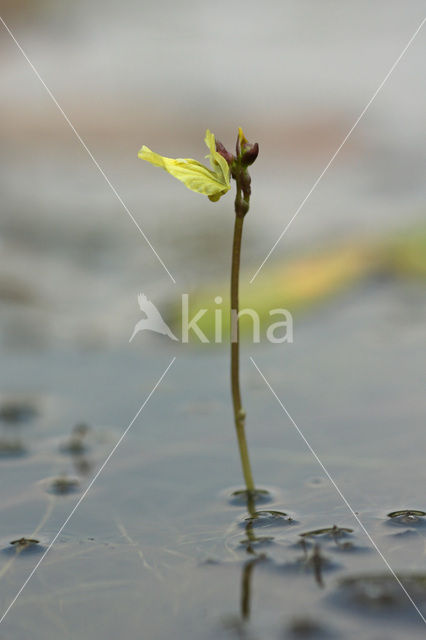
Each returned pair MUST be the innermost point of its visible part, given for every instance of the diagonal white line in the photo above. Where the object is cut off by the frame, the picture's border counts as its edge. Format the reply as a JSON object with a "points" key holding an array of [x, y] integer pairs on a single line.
{"points": [[95, 477], [330, 162], [84, 145], [340, 493]]}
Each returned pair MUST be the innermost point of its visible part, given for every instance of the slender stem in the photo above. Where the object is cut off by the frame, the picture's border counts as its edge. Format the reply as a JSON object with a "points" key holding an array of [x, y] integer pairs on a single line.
{"points": [[241, 208]]}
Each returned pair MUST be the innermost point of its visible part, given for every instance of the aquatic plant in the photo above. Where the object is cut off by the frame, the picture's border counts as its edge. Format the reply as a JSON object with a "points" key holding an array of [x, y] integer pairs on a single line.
{"points": [[24, 542], [214, 183]]}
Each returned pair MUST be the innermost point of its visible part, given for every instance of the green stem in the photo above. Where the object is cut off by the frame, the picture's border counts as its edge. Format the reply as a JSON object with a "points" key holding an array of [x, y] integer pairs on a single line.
{"points": [[241, 208]]}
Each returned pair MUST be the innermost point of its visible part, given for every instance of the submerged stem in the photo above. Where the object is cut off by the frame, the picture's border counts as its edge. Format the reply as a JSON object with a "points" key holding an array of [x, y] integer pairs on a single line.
{"points": [[241, 208]]}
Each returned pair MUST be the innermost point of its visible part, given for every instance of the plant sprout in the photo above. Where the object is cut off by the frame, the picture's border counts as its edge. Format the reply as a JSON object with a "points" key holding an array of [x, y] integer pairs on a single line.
{"points": [[214, 183]]}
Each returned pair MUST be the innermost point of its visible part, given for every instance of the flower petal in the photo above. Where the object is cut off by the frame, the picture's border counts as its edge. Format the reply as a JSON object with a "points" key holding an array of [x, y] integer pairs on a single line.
{"points": [[218, 162], [193, 174], [241, 138]]}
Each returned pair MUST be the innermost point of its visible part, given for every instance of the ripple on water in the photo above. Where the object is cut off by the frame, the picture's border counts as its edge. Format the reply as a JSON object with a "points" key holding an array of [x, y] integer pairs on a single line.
{"points": [[23, 545], [250, 499], [404, 517], [269, 518]]}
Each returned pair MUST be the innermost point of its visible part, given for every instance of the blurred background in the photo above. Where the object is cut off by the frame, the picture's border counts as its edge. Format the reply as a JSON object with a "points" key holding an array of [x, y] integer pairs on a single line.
{"points": [[294, 75]]}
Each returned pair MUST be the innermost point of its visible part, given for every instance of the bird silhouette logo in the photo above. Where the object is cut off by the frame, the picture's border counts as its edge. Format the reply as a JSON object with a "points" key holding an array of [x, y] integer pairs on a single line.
{"points": [[153, 320]]}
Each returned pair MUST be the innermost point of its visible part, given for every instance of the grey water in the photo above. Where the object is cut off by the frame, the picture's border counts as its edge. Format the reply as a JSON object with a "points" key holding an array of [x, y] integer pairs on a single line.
{"points": [[158, 548]]}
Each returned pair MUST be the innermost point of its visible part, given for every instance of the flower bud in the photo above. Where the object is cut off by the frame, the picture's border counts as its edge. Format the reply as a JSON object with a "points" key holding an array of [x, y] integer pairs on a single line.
{"points": [[224, 152], [246, 151], [249, 154]]}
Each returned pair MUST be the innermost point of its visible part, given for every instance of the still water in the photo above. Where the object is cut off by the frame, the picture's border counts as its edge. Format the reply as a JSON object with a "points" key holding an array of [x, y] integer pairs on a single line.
{"points": [[160, 548]]}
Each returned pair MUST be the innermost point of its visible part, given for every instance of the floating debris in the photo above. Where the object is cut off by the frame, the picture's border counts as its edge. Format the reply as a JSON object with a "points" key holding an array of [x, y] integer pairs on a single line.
{"points": [[269, 518], [24, 543], [407, 516], [270, 513], [64, 485], [334, 532], [13, 412]]}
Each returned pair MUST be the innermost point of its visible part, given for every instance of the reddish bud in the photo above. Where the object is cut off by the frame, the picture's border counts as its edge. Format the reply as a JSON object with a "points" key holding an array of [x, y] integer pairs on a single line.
{"points": [[249, 153], [224, 153]]}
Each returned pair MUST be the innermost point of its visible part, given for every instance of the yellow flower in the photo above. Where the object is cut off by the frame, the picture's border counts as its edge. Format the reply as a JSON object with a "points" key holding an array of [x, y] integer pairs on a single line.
{"points": [[242, 141], [213, 183]]}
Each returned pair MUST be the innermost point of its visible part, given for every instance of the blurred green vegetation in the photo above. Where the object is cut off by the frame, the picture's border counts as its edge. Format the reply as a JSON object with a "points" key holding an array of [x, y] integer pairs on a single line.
{"points": [[303, 282]]}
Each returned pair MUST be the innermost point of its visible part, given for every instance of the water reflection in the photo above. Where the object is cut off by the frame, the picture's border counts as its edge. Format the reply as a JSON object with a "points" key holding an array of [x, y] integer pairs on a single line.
{"points": [[77, 447], [14, 413], [312, 561], [252, 541], [246, 579]]}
